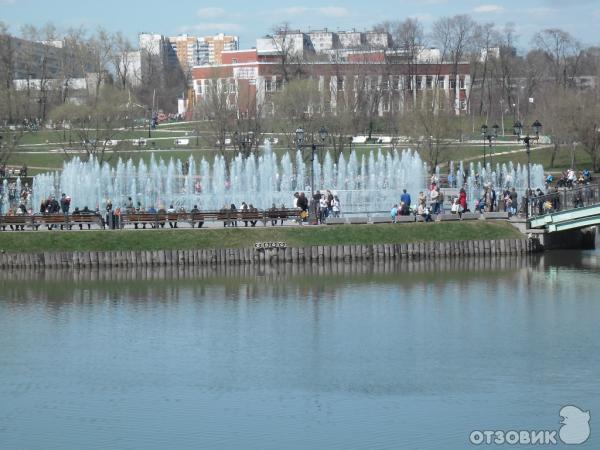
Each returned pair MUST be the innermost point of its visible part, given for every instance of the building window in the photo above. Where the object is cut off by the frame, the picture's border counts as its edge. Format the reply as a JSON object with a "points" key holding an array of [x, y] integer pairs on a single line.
{"points": [[268, 85], [234, 61], [461, 82], [340, 84], [385, 103], [395, 83], [452, 83], [419, 83], [429, 82], [441, 83]]}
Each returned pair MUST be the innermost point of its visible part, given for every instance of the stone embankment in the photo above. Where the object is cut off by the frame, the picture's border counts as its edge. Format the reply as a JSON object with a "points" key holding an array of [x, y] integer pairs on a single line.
{"points": [[275, 255]]}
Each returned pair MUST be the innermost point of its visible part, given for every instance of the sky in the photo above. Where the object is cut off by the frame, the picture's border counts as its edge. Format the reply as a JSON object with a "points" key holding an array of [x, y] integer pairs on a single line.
{"points": [[250, 20]]}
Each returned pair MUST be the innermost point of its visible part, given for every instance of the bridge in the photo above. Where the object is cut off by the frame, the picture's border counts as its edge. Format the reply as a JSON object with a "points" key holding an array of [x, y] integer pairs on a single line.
{"points": [[566, 209]]}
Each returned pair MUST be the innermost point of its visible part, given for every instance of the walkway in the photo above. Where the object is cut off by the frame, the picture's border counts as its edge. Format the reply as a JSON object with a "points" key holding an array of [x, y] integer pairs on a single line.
{"points": [[567, 209]]}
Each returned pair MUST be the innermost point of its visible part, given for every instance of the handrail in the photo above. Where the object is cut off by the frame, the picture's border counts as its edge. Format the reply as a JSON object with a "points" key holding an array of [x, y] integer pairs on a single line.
{"points": [[564, 199]]}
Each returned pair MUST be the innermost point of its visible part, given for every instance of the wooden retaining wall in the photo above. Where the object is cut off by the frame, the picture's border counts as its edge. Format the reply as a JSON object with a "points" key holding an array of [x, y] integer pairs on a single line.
{"points": [[237, 256]]}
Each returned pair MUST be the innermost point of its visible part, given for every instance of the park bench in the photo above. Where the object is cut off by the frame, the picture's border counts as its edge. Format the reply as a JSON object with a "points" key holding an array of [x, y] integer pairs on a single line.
{"points": [[447, 217], [153, 219], [470, 216], [281, 214], [49, 220], [85, 219], [15, 222], [382, 219]]}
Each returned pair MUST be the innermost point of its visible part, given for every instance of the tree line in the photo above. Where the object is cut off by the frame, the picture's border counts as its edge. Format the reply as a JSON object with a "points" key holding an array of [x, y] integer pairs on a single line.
{"points": [[554, 80]]}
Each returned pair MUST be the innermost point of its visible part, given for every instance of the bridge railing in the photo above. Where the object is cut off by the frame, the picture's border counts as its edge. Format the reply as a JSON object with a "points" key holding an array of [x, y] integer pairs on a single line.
{"points": [[564, 199]]}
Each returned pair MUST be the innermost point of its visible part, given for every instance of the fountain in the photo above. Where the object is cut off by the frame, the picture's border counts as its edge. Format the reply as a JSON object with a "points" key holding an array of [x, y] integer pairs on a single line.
{"points": [[372, 184]]}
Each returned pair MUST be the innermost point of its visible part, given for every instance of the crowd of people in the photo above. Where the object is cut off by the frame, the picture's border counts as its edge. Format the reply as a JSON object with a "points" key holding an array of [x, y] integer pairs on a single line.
{"points": [[570, 178], [432, 202], [325, 203], [9, 172]]}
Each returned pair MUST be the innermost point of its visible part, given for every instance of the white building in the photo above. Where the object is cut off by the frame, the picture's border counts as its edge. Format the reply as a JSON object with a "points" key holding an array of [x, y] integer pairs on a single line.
{"points": [[154, 44], [294, 43], [377, 40], [350, 39], [323, 40], [131, 65]]}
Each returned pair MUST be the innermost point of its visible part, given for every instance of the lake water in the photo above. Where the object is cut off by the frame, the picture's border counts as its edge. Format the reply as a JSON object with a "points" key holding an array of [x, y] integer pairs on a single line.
{"points": [[409, 356]]}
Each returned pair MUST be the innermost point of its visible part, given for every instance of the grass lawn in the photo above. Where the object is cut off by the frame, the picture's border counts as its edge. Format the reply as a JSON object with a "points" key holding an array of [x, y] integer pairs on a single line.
{"points": [[246, 237], [52, 157], [542, 156]]}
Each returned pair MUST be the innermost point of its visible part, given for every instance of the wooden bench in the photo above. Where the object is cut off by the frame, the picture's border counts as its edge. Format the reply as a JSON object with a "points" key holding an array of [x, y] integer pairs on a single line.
{"points": [[153, 219], [282, 214], [16, 222], [85, 219], [49, 220]]}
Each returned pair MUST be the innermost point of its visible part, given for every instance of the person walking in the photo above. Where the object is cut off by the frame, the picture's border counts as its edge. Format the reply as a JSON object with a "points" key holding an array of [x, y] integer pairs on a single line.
{"points": [[440, 208], [434, 195], [513, 201], [394, 213]]}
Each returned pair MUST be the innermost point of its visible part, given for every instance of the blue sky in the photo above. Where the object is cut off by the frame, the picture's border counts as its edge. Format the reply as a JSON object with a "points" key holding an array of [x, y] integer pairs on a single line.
{"points": [[250, 20]]}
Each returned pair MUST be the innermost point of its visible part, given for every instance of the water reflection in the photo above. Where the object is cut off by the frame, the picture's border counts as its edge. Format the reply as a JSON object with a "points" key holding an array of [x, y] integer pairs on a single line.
{"points": [[411, 355], [164, 284]]}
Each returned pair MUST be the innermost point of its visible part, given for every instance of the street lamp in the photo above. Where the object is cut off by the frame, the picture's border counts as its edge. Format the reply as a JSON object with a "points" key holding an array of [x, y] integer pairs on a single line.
{"points": [[492, 135], [299, 137], [323, 133], [536, 127]]}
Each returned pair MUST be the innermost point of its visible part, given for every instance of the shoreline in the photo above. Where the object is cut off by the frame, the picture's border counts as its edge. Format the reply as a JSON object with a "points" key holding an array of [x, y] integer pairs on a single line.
{"points": [[318, 254]]}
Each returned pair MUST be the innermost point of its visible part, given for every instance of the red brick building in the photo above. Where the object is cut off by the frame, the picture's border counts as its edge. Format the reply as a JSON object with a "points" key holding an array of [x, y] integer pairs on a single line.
{"points": [[250, 80]]}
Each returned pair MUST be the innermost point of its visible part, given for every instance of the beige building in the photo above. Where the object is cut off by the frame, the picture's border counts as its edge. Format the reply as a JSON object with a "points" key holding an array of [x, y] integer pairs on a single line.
{"points": [[219, 43]]}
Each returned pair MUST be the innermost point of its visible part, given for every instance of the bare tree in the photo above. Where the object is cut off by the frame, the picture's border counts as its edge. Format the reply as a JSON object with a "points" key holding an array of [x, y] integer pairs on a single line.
{"points": [[219, 111], [7, 73], [36, 63], [563, 52], [289, 57], [100, 48], [98, 124], [455, 39], [122, 60], [10, 136], [72, 62]]}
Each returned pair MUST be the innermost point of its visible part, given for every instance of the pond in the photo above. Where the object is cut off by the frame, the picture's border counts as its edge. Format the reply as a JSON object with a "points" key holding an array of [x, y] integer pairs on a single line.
{"points": [[411, 355]]}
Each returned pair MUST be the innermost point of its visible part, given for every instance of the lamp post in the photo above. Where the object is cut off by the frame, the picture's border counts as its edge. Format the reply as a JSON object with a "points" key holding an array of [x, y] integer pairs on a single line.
{"points": [[489, 137], [536, 127], [243, 142], [323, 133]]}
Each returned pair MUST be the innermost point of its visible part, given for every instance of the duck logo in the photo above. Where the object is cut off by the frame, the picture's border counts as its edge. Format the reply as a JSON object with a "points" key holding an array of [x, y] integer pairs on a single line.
{"points": [[575, 425]]}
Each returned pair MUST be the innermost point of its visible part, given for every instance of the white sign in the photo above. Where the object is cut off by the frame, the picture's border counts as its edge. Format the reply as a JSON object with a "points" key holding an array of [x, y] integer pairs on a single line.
{"points": [[245, 73], [574, 430]]}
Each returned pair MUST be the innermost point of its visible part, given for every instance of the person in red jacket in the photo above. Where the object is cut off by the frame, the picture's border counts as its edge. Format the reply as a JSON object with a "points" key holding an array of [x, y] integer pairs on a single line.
{"points": [[462, 199]]}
